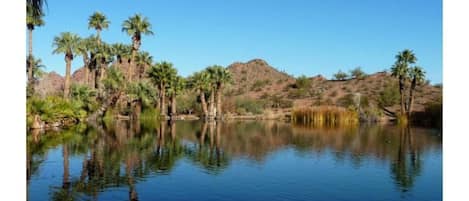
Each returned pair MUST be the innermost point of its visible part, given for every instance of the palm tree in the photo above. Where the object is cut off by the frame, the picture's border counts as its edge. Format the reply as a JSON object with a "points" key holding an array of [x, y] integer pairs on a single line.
{"points": [[176, 85], [143, 61], [66, 43], [140, 92], [32, 20], [400, 70], [200, 81], [37, 65], [103, 56], [84, 47], [113, 84], [417, 74], [220, 76], [136, 26], [36, 7], [160, 74], [98, 22]]}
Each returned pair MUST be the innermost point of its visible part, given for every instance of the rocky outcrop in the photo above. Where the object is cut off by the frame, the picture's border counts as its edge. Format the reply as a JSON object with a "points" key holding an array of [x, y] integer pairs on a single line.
{"points": [[50, 84]]}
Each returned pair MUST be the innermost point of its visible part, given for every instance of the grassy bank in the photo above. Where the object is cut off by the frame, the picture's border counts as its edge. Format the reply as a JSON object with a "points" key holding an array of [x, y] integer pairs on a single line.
{"points": [[325, 116]]}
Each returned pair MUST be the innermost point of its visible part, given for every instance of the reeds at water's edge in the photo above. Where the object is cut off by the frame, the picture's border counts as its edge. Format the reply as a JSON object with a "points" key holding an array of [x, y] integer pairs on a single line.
{"points": [[325, 116]]}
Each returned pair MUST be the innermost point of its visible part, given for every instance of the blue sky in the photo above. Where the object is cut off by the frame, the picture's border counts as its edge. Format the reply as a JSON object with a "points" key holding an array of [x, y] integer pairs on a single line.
{"points": [[307, 37]]}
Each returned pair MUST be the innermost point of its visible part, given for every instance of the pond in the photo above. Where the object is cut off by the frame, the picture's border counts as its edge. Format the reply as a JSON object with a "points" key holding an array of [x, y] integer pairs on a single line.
{"points": [[235, 160]]}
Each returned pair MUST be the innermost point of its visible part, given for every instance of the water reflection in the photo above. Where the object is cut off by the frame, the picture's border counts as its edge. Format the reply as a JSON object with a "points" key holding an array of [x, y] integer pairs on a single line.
{"points": [[126, 153]]}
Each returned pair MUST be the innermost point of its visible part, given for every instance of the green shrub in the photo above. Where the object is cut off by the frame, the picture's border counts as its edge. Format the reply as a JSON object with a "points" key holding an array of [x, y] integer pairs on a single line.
{"points": [[244, 106], [357, 73], [389, 96], [259, 84], [53, 108], [302, 82], [340, 75]]}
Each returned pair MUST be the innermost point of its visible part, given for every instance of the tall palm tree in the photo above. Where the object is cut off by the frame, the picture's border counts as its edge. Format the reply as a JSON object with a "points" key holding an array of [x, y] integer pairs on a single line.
{"points": [[66, 43], [200, 82], [160, 74], [417, 74], [135, 26], [400, 70], [98, 22], [103, 56], [220, 76], [32, 20], [84, 47], [143, 61], [176, 85]]}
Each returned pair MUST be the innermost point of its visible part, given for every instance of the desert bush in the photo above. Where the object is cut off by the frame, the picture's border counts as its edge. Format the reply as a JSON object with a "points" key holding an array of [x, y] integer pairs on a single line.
{"points": [[389, 95], [340, 75], [259, 84], [302, 82], [357, 73], [246, 106]]}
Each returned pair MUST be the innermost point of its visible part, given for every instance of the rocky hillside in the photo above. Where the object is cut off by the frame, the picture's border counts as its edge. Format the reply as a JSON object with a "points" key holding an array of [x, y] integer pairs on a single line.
{"points": [[257, 80], [256, 77]]}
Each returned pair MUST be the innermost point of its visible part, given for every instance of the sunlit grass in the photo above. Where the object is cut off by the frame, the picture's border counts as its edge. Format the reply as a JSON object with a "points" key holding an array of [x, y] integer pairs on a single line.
{"points": [[325, 116]]}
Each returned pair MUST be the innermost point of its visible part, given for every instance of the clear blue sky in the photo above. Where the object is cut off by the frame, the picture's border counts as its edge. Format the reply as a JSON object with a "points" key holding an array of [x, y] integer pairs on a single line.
{"points": [[299, 36]]}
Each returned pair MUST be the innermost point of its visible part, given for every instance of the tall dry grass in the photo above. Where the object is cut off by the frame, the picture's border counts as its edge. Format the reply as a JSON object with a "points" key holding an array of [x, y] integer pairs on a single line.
{"points": [[329, 116]]}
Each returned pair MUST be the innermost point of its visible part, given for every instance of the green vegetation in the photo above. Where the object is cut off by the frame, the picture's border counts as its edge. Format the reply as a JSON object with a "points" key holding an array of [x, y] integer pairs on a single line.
{"points": [[248, 106], [340, 75], [54, 109], [259, 84], [389, 95], [357, 73], [302, 82], [405, 74]]}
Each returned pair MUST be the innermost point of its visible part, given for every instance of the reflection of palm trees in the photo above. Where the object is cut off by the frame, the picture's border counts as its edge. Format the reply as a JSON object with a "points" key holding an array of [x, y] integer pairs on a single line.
{"points": [[211, 157], [404, 173]]}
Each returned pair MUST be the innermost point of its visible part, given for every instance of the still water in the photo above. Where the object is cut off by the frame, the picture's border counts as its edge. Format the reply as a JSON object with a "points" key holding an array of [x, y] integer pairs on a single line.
{"points": [[244, 160]]}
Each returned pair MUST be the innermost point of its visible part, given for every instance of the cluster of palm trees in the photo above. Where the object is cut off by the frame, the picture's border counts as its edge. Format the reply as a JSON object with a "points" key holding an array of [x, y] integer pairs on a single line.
{"points": [[100, 57], [211, 81], [409, 76]]}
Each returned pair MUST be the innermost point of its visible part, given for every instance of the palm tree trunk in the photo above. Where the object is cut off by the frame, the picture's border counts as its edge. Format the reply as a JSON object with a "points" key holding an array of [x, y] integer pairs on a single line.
{"points": [[163, 108], [86, 69], [411, 97], [132, 61], [401, 92], [173, 106], [219, 91], [30, 57], [102, 73], [211, 105], [67, 77], [98, 36], [204, 103]]}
